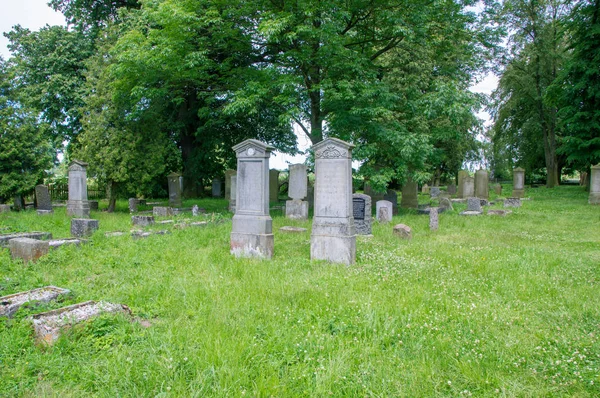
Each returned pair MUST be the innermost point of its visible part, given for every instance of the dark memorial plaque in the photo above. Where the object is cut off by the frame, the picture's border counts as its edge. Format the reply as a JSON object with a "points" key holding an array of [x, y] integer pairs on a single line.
{"points": [[358, 205]]}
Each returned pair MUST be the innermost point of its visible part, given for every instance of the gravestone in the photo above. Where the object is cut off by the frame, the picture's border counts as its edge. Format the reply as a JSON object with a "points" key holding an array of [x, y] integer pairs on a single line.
{"points": [[252, 227], [81, 227], [518, 183], [498, 189], [42, 197], [424, 190], [461, 177], [512, 202], [10, 304], [232, 193], [310, 196], [142, 221], [4, 208], [446, 203], [594, 197], [6, 238], [434, 192], [228, 174], [468, 186], [409, 198], [361, 211], [433, 218], [18, 203], [28, 249], [481, 184], [216, 188], [333, 235], [78, 204], [451, 189], [161, 211], [133, 204], [175, 191], [297, 208], [473, 207], [195, 211], [392, 196], [274, 185], [384, 211], [403, 231]]}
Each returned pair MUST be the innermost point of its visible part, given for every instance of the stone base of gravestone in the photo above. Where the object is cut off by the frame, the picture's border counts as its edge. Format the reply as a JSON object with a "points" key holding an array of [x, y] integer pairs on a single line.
{"points": [[594, 198], [142, 221], [78, 208], [56, 243], [28, 249], [512, 202], [160, 211], [433, 219], [293, 229], [4, 208], [518, 193], [403, 231], [81, 227], [252, 245], [335, 249], [296, 209], [470, 213], [44, 212]]}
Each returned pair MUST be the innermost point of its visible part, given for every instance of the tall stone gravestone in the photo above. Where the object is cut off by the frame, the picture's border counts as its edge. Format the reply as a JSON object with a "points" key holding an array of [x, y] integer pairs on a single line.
{"points": [[392, 196], [384, 211], [42, 198], [518, 183], [175, 191], [461, 183], [468, 187], [216, 188], [228, 174], [594, 197], [361, 211], [252, 227], [274, 185], [78, 204], [297, 208], [409, 198], [232, 193], [451, 189], [482, 189], [333, 235], [18, 203]]}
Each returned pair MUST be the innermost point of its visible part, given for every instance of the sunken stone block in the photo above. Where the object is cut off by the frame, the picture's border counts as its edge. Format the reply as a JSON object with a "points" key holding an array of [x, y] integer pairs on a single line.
{"points": [[11, 303], [512, 202], [81, 227], [292, 229], [502, 213], [142, 221], [160, 211], [44, 212], [28, 249], [403, 231]]}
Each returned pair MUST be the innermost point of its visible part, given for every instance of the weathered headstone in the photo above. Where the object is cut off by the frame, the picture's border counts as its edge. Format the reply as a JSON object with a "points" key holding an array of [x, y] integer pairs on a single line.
{"points": [[424, 190], [594, 197], [384, 211], [42, 197], [512, 202], [161, 211], [433, 219], [81, 227], [333, 235], [4, 208], [310, 196], [498, 189], [195, 211], [216, 188], [482, 184], [446, 204], [175, 191], [6, 238], [518, 183], [461, 177], [409, 198], [228, 174], [78, 204], [297, 208], [468, 186], [274, 185], [11, 303], [18, 203], [252, 227], [451, 189], [361, 210], [434, 192], [142, 221], [133, 204], [473, 207], [28, 249], [403, 231], [232, 193]]}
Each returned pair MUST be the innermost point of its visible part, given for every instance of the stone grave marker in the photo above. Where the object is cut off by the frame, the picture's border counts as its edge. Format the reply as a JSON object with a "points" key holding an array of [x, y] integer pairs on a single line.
{"points": [[78, 204], [498, 189], [5, 238], [18, 203], [217, 184], [594, 197], [161, 211], [473, 207], [297, 208], [133, 205], [333, 235], [495, 212], [424, 190], [175, 191], [435, 192], [482, 190], [232, 193], [81, 227], [392, 196], [518, 183], [461, 177], [274, 185], [446, 204], [195, 211], [228, 174], [468, 186], [4, 208], [512, 202], [384, 211], [433, 219], [142, 221], [409, 198], [361, 210], [42, 197], [451, 189], [403, 231], [28, 249], [252, 226], [11, 303]]}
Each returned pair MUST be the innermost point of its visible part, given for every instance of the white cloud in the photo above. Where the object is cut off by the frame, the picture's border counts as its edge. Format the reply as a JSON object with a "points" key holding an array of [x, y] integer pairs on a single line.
{"points": [[31, 14]]}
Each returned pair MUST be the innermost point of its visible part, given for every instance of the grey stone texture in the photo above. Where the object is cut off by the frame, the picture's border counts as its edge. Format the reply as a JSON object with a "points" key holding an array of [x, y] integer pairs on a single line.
{"points": [[451, 189], [28, 249], [11, 303], [384, 211], [228, 188], [44, 212], [435, 192], [133, 205], [424, 190], [195, 211], [42, 198], [402, 231], [362, 214], [82, 227], [175, 190], [161, 211], [446, 203], [143, 221], [512, 202], [473, 207], [461, 178], [594, 198], [274, 185], [4, 208], [298, 183], [78, 204], [333, 235], [5, 238], [18, 203], [410, 192], [252, 226], [217, 185], [468, 186], [498, 189], [433, 219], [232, 193], [296, 209], [391, 196], [482, 189], [518, 183], [310, 197]]}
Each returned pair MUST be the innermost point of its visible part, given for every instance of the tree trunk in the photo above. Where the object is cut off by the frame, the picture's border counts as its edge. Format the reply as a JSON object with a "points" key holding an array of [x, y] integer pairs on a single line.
{"points": [[112, 196]]}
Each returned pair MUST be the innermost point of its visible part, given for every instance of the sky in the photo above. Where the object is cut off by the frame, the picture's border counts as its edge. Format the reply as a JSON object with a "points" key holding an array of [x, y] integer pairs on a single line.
{"points": [[34, 14]]}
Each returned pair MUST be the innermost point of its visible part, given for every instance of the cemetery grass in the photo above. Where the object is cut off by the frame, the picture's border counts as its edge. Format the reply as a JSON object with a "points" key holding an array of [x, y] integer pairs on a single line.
{"points": [[485, 306]]}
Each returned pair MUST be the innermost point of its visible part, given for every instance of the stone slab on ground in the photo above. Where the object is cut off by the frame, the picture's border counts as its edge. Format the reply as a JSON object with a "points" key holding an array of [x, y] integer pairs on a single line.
{"points": [[403, 231], [56, 243], [142, 221], [48, 326], [293, 229], [28, 249], [5, 238], [81, 227], [11, 303], [44, 212], [142, 234], [114, 233], [470, 213], [512, 202], [494, 212], [427, 209], [165, 222], [161, 211]]}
